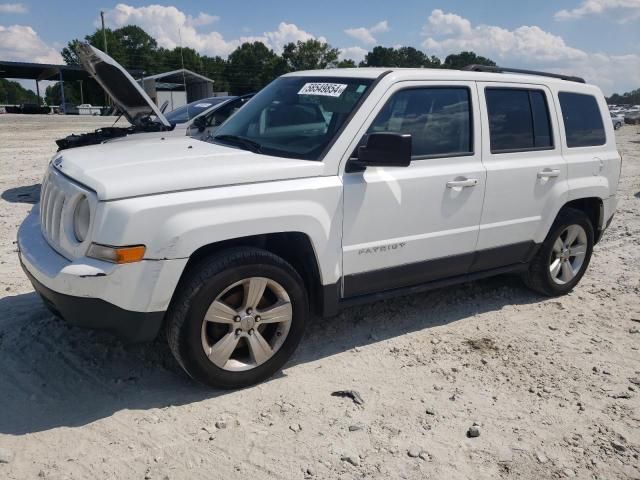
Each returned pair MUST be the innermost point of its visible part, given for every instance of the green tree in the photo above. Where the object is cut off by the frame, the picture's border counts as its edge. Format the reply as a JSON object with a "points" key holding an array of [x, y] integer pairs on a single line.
{"points": [[462, 59], [309, 55], [214, 68], [409, 57], [346, 63], [380, 57], [250, 67], [12, 93], [139, 48], [632, 97], [91, 93], [403, 57]]}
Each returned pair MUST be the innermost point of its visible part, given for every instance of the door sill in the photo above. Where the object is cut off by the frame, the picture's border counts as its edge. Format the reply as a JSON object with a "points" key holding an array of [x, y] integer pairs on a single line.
{"points": [[432, 285]]}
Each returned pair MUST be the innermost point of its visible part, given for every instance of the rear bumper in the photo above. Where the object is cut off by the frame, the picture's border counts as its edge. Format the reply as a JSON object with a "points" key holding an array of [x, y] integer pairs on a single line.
{"points": [[609, 209], [132, 327]]}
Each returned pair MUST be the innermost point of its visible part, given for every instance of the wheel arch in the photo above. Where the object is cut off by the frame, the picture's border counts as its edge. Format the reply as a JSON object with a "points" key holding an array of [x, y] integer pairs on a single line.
{"points": [[593, 207], [294, 247]]}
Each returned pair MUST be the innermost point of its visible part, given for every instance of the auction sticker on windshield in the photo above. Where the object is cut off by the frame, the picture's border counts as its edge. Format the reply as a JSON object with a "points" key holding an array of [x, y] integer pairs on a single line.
{"points": [[323, 89]]}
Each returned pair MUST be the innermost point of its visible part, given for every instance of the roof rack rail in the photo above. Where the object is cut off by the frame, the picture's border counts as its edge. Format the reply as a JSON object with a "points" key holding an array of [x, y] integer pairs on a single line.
{"points": [[496, 69]]}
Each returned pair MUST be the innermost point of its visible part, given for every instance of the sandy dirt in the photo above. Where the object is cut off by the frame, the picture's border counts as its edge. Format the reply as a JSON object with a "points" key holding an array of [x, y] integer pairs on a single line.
{"points": [[553, 384]]}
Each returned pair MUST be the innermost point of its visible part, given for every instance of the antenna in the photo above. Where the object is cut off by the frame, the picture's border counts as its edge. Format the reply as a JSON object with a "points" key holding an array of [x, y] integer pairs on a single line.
{"points": [[184, 78]]}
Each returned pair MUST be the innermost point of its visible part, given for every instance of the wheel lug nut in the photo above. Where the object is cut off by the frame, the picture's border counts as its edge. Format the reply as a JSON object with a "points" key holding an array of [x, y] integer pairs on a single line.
{"points": [[236, 318], [251, 332], [257, 319], [238, 331]]}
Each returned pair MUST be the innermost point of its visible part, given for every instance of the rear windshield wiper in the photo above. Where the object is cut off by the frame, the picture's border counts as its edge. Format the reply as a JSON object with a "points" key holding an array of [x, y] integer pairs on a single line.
{"points": [[245, 142]]}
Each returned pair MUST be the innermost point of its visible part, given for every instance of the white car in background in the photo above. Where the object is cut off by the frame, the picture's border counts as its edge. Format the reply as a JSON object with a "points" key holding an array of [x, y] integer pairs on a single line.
{"points": [[617, 119], [198, 119]]}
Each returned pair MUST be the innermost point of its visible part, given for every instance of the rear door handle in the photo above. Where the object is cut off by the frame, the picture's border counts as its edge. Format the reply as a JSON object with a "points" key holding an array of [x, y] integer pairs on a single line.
{"points": [[549, 173], [466, 182]]}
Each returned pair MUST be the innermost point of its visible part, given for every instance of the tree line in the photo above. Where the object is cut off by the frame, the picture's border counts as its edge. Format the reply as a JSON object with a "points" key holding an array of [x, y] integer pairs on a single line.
{"points": [[629, 98], [248, 68], [12, 93]]}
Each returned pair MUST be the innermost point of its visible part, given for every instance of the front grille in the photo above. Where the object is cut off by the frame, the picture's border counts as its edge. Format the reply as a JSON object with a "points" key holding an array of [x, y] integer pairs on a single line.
{"points": [[52, 202], [58, 197]]}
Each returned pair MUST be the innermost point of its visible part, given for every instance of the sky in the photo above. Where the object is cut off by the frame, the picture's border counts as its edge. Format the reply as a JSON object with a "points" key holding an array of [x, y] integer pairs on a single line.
{"points": [[595, 39]]}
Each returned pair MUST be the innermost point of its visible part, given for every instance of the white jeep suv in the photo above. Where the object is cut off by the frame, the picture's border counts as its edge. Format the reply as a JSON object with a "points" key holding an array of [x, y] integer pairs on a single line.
{"points": [[328, 189]]}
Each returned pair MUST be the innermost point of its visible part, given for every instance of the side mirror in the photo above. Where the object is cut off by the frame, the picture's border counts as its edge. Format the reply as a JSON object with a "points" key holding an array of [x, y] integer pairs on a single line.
{"points": [[200, 123], [383, 149]]}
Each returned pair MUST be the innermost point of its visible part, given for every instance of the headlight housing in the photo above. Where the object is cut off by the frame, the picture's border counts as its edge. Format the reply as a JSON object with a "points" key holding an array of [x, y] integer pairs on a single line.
{"points": [[81, 219]]}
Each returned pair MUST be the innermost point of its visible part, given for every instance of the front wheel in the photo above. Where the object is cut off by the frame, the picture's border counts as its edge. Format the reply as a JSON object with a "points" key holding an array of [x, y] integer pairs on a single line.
{"points": [[564, 256], [237, 318]]}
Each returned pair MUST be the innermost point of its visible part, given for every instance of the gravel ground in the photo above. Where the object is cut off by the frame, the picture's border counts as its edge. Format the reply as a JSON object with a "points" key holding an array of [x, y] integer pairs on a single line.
{"points": [[552, 386]]}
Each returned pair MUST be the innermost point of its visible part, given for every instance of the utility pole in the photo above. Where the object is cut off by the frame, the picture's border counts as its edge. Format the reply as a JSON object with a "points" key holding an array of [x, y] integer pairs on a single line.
{"points": [[104, 34]]}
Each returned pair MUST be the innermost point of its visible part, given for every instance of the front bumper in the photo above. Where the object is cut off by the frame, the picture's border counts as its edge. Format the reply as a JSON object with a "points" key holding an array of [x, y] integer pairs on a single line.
{"points": [[129, 300], [132, 327]]}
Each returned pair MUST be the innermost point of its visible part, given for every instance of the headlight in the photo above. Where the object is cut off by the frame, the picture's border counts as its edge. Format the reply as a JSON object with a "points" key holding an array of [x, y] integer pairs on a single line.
{"points": [[81, 219]]}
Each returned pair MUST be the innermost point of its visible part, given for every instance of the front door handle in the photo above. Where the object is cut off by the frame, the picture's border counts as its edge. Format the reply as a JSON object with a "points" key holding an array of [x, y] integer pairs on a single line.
{"points": [[549, 173], [465, 182]]}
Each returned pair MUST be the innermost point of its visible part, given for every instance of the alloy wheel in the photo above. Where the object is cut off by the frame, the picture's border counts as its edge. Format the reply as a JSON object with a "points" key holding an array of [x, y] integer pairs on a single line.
{"points": [[246, 324], [568, 254]]}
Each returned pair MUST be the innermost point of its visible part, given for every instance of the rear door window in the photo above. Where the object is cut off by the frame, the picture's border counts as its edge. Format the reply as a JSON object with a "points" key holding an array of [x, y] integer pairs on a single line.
{"points": [[582, 120], [518, 120]]}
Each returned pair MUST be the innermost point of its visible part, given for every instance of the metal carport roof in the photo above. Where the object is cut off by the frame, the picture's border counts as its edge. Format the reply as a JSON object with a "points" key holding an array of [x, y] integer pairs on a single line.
{"points": [[41, 71], [179, 76]]}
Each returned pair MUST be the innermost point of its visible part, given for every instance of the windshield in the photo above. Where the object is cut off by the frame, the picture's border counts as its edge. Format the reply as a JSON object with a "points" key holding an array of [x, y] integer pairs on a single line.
{"points": [[294, 116], [187, 112]]}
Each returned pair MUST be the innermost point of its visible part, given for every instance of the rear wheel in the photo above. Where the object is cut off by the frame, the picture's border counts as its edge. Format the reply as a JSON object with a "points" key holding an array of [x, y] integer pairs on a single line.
{"points": [[237, 318], [564, 256]]}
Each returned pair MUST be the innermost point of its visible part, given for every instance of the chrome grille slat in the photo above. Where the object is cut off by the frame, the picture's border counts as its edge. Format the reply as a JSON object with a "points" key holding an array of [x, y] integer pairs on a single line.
{"points": [[45, 206], [50, 201], [57, 217], [43, 192]]}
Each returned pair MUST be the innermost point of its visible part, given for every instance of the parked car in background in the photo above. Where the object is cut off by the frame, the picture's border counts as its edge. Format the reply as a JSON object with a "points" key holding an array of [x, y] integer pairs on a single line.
{"points": [[632, 118], [330, 188], [198, 119], [88, 109], [28, 108], [617, 120]]}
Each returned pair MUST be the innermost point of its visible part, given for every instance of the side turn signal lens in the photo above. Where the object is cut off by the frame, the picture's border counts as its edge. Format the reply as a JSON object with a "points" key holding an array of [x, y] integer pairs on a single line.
{"points": [[117, 254]]}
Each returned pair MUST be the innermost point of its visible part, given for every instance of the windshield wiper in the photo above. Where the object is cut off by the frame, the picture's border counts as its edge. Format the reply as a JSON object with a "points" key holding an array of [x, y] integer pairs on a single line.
{"points": [[245, 142]]}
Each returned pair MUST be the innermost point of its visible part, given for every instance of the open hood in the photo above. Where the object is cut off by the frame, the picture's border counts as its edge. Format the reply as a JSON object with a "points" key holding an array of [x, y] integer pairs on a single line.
{"points": [[124, 91]]}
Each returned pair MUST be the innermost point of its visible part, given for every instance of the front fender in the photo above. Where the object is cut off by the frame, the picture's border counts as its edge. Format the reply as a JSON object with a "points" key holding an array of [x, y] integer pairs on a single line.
{"points": [[174, 225]]}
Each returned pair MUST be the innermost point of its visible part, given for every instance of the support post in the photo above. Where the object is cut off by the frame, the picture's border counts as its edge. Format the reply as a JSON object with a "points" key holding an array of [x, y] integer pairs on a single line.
{"points": [[38, 92], [62, 103]]}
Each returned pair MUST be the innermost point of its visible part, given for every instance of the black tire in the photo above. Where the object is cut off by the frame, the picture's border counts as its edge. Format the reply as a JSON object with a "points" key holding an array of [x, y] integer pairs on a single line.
{"points": [[201, 286], [539, 277]]}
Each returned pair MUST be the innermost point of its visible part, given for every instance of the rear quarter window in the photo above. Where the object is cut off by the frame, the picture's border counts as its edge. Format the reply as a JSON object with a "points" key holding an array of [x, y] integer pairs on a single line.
{"points": [[582, 120]]}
